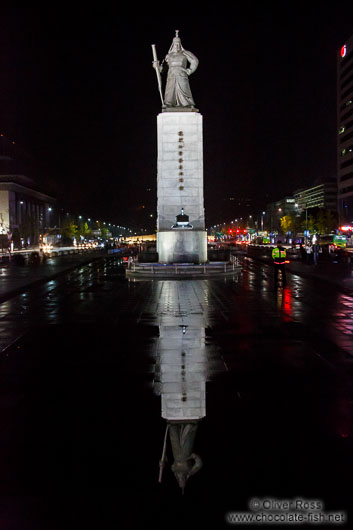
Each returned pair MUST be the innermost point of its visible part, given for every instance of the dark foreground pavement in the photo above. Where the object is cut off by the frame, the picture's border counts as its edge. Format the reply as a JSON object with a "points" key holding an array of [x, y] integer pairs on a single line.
{"points": [[81, 432]]}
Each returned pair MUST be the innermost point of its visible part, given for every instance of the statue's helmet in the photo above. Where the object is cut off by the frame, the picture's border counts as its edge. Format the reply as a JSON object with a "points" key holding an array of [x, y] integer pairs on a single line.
{"points": [[181, 471], [176, 41]]}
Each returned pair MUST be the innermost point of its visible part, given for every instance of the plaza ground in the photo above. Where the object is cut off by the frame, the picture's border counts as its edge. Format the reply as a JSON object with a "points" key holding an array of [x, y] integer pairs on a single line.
{"points": [[81, 429]]}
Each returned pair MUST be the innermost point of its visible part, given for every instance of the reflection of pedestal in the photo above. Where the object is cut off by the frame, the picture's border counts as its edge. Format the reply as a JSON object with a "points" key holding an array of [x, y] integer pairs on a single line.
{"points": [[182, 246], [180, 187], [183, 367]]}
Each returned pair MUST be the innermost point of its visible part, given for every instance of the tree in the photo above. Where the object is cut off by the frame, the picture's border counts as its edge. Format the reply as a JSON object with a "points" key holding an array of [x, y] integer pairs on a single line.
{"points": [[319, 220], [311, 223], [104, 232], [68, 230], [286, 223], [327, 221], [290, 223], [83, 230]]}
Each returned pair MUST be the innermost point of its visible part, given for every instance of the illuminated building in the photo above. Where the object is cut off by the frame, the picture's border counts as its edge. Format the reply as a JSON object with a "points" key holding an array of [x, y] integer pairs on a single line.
{"points": [[24, 209], [322, 195], [345, 131]]}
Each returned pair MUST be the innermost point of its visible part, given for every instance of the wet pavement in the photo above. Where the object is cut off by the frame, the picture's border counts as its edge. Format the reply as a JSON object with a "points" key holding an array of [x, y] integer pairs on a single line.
{"points": [[93, 369], [16, 278]]}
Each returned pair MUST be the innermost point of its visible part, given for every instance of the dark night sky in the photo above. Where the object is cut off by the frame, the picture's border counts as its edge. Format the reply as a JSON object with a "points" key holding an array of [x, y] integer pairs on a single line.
{"points": [[79, 94]]}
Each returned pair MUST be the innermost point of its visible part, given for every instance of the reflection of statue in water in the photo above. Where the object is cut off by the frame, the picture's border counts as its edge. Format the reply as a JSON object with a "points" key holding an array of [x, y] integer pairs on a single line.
{"points": [[181, 366], [186, 463], [177, 90]]}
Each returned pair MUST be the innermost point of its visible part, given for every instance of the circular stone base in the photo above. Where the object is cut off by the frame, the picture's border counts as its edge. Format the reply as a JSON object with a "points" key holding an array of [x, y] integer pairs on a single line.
{"points": [[182, 270]]}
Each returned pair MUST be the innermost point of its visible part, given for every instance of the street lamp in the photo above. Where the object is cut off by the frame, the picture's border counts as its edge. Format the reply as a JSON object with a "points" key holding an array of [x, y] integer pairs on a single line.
{"points": [[306, 224], [49, 212], [262, 221]]}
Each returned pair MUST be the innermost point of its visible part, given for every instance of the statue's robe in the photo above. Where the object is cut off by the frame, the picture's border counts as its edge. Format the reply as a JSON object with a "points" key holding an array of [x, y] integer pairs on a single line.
{"points": [[177, 91]]}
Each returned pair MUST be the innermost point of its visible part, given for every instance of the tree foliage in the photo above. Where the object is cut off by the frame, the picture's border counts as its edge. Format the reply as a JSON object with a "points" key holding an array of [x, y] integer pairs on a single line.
{"points": [[290, 223], [317, 220], [68, 229], [320, 220], [287, 223], [83, 231], [104, 233]]}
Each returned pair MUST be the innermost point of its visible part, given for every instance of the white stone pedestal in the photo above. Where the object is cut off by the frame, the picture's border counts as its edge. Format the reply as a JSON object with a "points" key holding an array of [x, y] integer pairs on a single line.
{"points": [[180, 185], [182, 246]]}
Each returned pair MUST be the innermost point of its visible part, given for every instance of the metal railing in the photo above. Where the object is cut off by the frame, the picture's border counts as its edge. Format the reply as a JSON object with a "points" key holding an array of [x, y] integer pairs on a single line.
{"points": [[185, 269]]}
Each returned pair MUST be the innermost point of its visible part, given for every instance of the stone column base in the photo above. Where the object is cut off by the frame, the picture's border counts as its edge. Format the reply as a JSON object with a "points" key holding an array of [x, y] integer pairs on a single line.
{"points": [[182, 246]]}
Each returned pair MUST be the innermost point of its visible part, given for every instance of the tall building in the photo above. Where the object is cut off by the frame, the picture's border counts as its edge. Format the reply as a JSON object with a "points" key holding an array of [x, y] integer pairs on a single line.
{"points": [[320, 195], [24, 207], [345, 131]]}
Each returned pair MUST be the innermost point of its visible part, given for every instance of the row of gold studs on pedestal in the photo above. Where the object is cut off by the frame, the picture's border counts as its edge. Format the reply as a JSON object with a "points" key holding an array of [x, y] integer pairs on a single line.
{"points": [[180, 146]]}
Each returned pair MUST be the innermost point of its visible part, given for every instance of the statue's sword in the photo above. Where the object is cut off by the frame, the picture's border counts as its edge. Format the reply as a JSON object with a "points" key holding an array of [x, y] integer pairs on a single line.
{"points": [[162, 460], [156, 67]]}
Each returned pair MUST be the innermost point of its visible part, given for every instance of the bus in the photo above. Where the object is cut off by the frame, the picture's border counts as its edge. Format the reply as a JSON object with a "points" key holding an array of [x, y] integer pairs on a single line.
{"points": [[332, 240]]}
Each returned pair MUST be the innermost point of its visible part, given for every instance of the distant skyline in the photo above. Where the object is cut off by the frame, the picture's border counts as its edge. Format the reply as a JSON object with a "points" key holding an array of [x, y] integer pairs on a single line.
{"points": [[80, 95]]}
